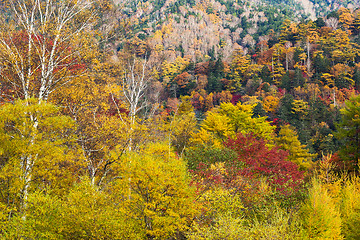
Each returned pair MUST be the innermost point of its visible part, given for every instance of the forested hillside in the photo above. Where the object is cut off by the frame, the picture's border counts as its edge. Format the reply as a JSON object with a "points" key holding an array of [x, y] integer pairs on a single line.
{"points": [[179, 119], [212, 28]]}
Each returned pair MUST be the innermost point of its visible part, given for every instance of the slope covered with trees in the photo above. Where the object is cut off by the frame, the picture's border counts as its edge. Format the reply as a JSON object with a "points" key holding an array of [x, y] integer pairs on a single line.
{"points": [[179, 120], [214, 28]]}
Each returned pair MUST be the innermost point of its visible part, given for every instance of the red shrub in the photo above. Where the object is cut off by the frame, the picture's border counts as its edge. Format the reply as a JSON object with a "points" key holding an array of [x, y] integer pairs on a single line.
{"points": [[260, 161]]}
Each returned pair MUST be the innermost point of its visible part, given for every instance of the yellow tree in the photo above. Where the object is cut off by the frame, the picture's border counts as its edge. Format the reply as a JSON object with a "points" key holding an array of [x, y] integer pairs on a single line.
{"points": [[52, 217], [277, 69], [240, 65], [346, 18], [339, 46], [90, 100], [300, 108], [288, 140], [289, 53], [182, 125], [277, 72], [170, 70], [289, 31], [356, 23], [328, 79], [308, 34], [227, 120], [32, 156], [350, 196], [320, 215], [270, 103], [343, 75], [41, 43], [161, 202]]}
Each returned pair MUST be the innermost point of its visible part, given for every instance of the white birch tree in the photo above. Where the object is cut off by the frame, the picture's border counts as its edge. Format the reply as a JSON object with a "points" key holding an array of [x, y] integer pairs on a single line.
{"points": [[40, 50], [39, 44], [136, 85]]}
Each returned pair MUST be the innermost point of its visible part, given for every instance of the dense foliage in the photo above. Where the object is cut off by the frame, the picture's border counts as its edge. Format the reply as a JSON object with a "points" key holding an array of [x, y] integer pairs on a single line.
{"points": [[180, 119]]}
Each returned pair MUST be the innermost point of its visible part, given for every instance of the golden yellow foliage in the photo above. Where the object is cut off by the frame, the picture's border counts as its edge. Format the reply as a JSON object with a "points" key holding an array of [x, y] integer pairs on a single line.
{"points": [[288, 140], [270, 103], [346, 18], [153, 190]]}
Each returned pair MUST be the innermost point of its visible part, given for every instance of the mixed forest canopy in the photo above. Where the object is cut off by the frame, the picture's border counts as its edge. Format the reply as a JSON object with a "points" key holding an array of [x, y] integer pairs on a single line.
{"points": [[179, 119]]}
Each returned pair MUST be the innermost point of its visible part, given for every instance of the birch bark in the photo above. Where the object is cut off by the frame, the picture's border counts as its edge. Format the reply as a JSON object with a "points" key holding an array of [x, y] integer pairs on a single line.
{"points": [[38, 53]]}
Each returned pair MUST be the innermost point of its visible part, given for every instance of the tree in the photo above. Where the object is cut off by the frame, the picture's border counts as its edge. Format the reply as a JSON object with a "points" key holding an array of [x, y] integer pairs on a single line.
{"points": [[356, 24], [134, 92], [240, 65], [277, 69], [339, 47], [320, 216], [99, 129], [203, 156], [346, 18], [288, 140], [134, 84], [52, 217], [349, 207], [227, 120], [182, 125], [32, 156], [171, 70], [276, 224], [161, 201], [270, 103], [41, 44], [222, 217], [101, 215], [321, 63], [265, 74], [260, 161], [348, 131], [289, 31]]}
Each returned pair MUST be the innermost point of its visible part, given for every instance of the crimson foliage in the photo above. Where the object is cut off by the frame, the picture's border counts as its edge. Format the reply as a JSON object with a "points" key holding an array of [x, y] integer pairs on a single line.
{"points": [[260, 161]]}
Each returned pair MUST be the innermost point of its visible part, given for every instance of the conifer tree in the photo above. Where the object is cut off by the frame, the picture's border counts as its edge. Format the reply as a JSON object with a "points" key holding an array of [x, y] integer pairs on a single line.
{"points": [[348, 131]]}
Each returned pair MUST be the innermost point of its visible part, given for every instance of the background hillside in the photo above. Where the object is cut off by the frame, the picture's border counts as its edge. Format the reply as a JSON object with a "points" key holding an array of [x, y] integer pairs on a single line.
{"points": [[213, 28], [179, 119]]}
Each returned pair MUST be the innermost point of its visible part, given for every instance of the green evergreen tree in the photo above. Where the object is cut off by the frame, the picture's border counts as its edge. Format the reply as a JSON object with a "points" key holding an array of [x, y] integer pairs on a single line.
{"points": [[321, 64], [265, 75], [348, 131], [286, 82], [285, 109], [298, 80], [258, 111], [356, 78]]}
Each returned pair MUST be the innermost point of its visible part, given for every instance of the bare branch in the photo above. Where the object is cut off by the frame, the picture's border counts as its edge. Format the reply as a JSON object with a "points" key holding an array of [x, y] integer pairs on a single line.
{"points": [[45, 30]]}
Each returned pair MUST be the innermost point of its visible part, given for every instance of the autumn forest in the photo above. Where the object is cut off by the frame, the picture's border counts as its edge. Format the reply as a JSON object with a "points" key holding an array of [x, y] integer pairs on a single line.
{"points": [[179, 119]]}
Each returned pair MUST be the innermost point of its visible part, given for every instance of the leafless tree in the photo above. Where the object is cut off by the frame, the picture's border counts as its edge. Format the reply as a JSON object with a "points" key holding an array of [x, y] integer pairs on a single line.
{"points": [[332, 23], [134, 84]]}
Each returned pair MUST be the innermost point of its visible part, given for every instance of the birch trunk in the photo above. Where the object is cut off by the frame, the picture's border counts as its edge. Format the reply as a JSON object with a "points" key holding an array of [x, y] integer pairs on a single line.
{"points": [[49, 30], [32, 44]]}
